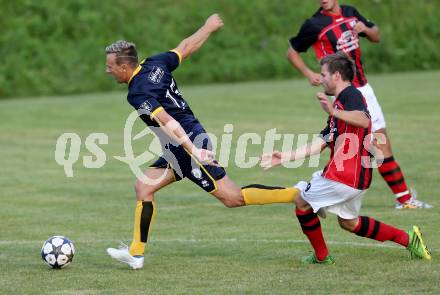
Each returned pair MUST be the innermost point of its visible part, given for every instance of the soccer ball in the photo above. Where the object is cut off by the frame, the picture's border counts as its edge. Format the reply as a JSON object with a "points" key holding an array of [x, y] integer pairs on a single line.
{"points": [[58, 252]]}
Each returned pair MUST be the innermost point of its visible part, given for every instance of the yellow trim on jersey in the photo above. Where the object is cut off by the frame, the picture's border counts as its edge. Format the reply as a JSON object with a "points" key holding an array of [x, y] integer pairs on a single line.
{"points": [[135, 72], [203, 168], [155, 112], [178, 54]]}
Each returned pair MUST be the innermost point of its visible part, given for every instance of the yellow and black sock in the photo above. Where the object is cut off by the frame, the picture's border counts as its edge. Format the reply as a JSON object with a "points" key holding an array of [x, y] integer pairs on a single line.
{"points": [[257, 194], [143, 218]]}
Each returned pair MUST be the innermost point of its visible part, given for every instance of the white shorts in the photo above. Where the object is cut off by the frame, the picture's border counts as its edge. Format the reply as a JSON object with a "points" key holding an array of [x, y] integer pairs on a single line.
{"points": [[327, 195], [377, 117]]}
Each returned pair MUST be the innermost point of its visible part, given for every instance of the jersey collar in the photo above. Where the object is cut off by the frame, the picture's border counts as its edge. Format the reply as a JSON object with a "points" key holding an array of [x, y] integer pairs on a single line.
{"points": [[333, 15], [136, 71]]}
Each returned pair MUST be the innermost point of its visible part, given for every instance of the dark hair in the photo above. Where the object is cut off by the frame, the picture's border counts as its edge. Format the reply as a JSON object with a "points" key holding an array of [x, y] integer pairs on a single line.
{"points": [[341, 63], [126, 52]]}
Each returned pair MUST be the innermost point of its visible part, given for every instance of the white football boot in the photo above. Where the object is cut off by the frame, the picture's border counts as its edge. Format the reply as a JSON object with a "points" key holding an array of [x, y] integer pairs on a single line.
{"points": [[413, 203], [123, 255]]}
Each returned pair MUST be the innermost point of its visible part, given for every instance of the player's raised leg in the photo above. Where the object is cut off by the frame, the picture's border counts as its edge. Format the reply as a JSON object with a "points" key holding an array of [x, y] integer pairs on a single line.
{"points": [[232, 196], [145, 211], [213, 179], [368, 227], [258, 194]]}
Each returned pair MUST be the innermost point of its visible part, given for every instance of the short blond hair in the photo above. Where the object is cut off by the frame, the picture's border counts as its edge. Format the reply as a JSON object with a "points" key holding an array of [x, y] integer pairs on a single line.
{"points": [[125, 51]]}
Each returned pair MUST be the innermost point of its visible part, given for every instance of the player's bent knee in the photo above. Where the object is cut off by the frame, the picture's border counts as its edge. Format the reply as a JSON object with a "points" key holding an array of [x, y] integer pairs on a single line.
{"points": [[231, 202], [230, 196], [144, 192], [301, 204], [347, 224]]}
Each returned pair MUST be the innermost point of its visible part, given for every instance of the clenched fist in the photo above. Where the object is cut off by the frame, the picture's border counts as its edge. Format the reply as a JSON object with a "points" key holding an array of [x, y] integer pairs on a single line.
{"points": [[214, 22]]}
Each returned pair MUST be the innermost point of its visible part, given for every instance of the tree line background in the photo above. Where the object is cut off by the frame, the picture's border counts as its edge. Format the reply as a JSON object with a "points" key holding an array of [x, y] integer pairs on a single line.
{"points": [[50, 47]]}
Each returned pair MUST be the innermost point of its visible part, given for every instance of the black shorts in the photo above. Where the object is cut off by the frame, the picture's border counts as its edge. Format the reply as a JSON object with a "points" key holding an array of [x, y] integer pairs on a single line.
{"points": [[184, 165]]}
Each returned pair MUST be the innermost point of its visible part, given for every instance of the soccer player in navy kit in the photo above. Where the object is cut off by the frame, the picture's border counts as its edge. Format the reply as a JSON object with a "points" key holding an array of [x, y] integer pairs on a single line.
{"points": [[335, 28], [339, 188], [153, 92]]}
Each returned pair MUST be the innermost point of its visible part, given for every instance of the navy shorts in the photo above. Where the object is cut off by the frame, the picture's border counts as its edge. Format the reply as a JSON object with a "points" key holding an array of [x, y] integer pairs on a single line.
{"points": [[186, 165]]}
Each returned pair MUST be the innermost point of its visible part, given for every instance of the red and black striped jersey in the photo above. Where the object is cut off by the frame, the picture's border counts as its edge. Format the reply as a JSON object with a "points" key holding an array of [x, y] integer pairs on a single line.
{"points": [[350, 159], [328, 33]]}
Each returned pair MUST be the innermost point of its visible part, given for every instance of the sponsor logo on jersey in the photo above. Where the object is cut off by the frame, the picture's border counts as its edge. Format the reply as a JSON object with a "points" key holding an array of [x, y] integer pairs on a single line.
{"points": [[156, 75], [347, 42], [146, 106], [196, 173]]}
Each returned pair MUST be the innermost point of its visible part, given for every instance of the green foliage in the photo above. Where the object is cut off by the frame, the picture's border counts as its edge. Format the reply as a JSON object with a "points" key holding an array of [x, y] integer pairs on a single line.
{"points": [[56, 47]]}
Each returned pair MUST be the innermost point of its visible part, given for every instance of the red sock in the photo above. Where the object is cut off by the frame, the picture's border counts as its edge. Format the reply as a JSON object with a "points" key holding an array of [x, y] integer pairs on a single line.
{"points": [[392, 174], [379, 231], [311, 227]]}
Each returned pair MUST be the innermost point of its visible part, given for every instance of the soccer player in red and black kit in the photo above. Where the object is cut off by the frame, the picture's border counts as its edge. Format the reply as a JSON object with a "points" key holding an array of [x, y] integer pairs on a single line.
{"points": [[335, 28], [339, 188]]}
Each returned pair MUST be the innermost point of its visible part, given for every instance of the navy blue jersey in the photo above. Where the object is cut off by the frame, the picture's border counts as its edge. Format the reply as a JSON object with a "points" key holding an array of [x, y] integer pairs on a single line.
{"points": [[152, 89]]}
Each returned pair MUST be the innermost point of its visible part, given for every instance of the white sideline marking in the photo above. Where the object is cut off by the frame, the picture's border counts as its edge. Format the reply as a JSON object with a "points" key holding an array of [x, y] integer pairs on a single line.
{"points": [[220, 241]]}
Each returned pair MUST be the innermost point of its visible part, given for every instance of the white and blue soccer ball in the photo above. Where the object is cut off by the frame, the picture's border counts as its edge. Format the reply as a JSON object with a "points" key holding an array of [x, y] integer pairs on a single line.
{"points": [[58, 252]]}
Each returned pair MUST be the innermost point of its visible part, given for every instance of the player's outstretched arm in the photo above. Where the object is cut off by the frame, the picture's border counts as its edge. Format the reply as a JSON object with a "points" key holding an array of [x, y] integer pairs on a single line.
{"points": [[296, 61], [276, 158], [191, 44], [175, 131]]}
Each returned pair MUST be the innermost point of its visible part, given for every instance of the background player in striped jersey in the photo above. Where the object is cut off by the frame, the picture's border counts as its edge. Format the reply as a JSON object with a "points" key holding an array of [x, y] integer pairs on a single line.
{"points": [[186, 147], [340, 187], [336, 28]]}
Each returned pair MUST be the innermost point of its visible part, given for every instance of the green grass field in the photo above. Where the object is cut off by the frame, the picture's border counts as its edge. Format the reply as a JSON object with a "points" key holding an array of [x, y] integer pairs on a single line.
{"points": [[198, 246]]}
